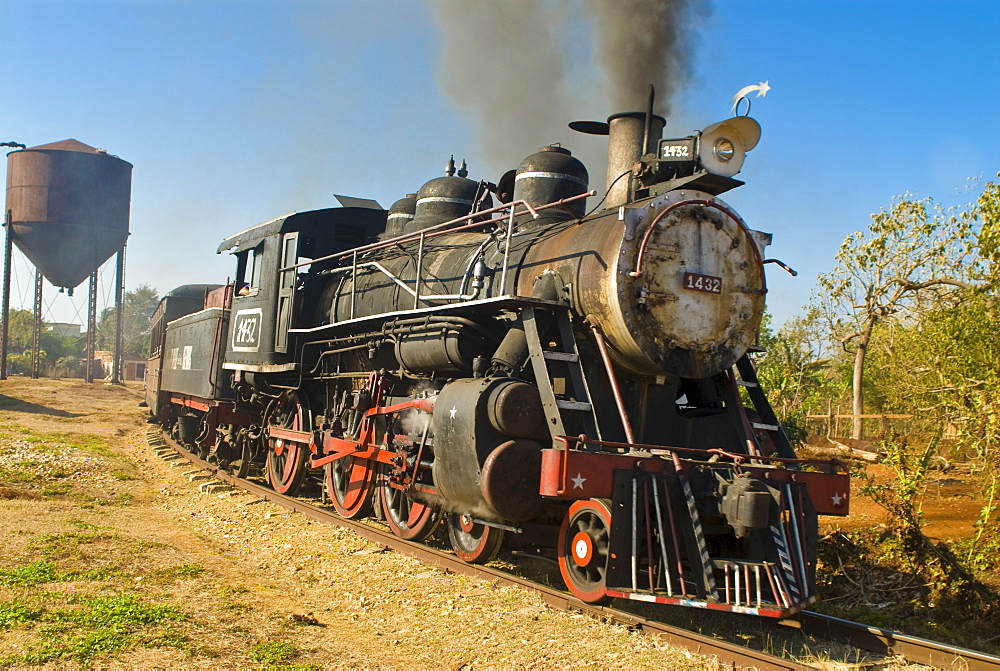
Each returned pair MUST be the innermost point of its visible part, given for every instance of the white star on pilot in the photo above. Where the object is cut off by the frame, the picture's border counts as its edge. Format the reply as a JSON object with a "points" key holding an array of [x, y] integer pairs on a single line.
{"points": [[578, 481], [454, 409], [837, 498]]}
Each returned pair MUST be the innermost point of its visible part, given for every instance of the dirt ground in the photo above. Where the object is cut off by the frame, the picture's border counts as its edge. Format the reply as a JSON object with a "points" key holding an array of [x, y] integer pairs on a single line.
{"points": [[112, 555], [950, 505]]}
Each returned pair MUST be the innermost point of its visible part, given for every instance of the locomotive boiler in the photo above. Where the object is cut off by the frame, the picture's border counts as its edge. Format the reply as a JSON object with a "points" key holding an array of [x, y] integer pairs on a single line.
{"points": [[498, 360]]}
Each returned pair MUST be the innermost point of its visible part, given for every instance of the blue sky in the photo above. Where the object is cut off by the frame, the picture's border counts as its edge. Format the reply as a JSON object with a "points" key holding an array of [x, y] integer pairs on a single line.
{"points": [[234, 112]]}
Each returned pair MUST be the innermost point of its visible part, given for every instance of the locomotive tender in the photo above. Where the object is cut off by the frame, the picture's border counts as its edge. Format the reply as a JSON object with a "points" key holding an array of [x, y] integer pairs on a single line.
{"points": [[530, 375]]}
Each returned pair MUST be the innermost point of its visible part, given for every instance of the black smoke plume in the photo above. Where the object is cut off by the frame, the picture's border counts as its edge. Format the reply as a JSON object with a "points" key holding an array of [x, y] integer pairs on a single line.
{"points": [[527, 68]]}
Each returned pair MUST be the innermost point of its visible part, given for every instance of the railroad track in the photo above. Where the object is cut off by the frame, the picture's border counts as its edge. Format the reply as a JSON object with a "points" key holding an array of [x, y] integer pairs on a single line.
{"points": [[881, 641], [888, 642]]}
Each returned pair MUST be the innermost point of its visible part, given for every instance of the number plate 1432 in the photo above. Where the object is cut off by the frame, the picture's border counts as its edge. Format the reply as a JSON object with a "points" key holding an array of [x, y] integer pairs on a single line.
{"points": [[707, 283]]}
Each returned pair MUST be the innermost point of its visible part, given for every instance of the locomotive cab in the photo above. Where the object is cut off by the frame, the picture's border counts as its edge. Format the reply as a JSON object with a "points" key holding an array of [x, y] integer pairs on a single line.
{"points": [[267, 287]]}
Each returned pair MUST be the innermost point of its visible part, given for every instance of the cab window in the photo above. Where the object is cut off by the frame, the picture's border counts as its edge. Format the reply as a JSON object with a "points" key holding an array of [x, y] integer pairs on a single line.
{"points": [[248, 270]]}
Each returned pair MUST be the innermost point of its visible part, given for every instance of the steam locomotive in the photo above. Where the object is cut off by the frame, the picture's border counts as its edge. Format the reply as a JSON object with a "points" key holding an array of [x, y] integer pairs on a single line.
{"points": [[496, 359]]}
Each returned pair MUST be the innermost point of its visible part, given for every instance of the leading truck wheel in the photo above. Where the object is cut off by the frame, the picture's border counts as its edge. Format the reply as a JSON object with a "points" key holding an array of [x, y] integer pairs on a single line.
{"points": [[583, 549], [286, 459]]}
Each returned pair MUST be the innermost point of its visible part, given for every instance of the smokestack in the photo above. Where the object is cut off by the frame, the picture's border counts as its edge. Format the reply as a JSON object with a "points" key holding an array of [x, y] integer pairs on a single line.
{"points": [[626, 132]]}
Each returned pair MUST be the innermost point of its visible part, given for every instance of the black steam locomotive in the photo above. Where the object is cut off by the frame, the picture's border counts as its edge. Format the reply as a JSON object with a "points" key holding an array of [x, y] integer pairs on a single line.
{"points": [[576, 385]]}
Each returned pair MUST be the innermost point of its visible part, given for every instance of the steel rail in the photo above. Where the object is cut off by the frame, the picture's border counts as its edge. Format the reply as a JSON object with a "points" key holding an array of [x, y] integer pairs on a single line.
{"points": [[873, 639], [888, 642]]}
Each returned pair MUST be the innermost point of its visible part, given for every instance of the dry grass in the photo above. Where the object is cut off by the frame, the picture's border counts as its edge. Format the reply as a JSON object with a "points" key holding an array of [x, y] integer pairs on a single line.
{"points": [[132, 566]]}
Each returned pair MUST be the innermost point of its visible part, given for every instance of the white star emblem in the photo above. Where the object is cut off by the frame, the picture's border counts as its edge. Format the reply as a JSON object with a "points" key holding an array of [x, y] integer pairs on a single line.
{"points": [[454, 409], [578, 481], [837, 499]]}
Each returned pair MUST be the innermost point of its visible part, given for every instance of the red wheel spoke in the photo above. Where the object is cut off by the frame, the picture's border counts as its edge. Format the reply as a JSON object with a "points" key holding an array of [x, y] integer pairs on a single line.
{"points": [[286, 471], [474, 542], [349, 483], [407, 518]]}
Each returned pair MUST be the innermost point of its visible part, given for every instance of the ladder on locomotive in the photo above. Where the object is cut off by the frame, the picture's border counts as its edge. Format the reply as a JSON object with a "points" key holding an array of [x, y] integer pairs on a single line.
{"points": [[793, 571], [767, 419], [565, 354]]}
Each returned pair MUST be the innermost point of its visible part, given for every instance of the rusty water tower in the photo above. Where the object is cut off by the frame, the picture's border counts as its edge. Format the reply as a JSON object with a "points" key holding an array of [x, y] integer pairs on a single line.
{"points": [[68, 213]]}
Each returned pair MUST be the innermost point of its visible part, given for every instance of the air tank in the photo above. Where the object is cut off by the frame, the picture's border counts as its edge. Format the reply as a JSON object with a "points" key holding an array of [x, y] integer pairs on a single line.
{"points": [[69, 208]]}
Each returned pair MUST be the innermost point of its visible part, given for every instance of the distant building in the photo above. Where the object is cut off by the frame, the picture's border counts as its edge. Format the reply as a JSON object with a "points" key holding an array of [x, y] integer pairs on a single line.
{"points": [[133, 367], [65, 330]]}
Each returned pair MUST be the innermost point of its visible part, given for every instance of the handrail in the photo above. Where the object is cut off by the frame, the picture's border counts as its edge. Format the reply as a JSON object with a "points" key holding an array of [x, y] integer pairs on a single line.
{"points": [[510, 210], [584, 441], [433, 231]]}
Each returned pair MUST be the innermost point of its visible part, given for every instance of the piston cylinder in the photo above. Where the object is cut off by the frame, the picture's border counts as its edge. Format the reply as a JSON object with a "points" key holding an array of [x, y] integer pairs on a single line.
{"points": [[482, 463]]}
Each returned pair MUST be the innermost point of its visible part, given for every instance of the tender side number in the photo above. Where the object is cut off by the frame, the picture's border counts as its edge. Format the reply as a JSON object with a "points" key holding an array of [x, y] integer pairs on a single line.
{"points": [[707, 283]]}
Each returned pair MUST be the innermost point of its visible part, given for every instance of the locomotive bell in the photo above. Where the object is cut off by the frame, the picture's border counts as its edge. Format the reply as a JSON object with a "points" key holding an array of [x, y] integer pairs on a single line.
{"points": [[551, 174]]}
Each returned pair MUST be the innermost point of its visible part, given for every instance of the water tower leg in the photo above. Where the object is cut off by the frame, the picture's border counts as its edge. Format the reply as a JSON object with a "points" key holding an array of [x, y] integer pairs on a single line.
{"points": [[116, 370], [6, 299], [91, 326], [36, 331]]}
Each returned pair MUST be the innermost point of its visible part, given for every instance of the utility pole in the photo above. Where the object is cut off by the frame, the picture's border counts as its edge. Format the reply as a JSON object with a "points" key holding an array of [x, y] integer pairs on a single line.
{"points": [[5, 328], [116, 366]]}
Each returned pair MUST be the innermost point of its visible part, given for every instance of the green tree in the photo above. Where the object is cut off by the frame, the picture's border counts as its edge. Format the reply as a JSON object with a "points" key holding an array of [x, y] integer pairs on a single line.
{"points": [[137, 308], [793, 370], [51, 345], [912, 258], [944, 368], [988, 206], [944, 365]]}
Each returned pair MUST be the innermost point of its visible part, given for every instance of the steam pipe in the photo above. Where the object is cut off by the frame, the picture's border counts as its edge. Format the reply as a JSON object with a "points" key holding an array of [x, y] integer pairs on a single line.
{"points": [[615, 390], [783, 266], [649, 120], [691, 201]]}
